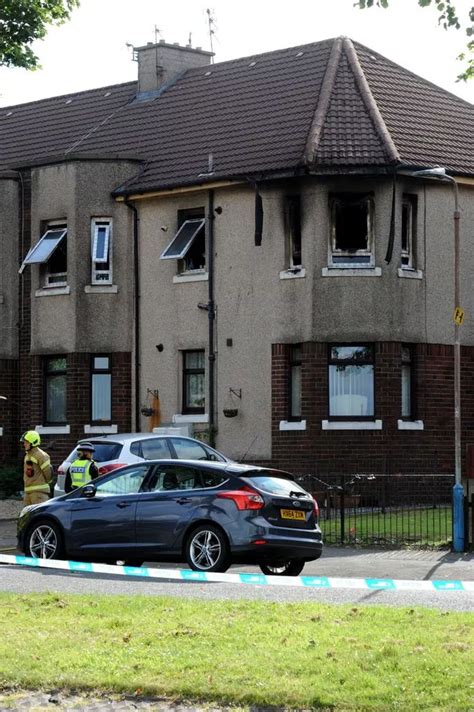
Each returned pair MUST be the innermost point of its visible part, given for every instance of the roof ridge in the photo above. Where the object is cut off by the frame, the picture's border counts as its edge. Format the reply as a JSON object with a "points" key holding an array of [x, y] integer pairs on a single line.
{"points": [[324, 99], [369, 101]]}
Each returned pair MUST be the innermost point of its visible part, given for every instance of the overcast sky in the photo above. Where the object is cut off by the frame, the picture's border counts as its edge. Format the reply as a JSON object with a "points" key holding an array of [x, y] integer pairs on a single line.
{"points": [[90, 51]]}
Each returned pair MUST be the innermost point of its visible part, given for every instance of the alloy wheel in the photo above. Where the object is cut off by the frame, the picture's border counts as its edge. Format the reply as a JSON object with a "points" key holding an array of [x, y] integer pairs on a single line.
{"points": [[205, 549], [43, 542]]}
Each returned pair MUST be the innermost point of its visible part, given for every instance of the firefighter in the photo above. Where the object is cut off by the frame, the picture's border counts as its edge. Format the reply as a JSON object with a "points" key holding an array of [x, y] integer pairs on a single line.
{"points": [[83, 469], [37, 470]]}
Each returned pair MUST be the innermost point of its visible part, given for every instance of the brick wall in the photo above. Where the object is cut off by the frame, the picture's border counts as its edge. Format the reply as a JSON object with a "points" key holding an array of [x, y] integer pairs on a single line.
{"points": [[389, 450]]}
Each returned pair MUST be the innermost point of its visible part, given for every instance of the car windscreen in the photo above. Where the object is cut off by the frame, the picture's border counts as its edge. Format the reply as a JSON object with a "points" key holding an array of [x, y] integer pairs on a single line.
{"points": [[104, 451], [273, 484]]}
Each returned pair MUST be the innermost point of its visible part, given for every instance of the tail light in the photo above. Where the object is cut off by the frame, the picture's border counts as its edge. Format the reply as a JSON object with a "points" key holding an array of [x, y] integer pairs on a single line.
{"points": [[245, 498], [316, 509], [105, 469]]}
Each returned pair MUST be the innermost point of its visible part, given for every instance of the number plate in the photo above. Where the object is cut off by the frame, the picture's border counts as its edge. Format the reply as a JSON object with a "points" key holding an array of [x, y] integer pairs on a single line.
{"points": [[293, 514]]}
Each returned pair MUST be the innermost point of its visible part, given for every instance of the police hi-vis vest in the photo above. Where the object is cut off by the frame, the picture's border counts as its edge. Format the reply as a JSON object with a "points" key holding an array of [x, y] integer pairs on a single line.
{"points": [[79, 471]]}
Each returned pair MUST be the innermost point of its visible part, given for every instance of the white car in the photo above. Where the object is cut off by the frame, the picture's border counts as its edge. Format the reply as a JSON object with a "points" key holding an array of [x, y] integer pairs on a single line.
{"points": [[113, 451]]}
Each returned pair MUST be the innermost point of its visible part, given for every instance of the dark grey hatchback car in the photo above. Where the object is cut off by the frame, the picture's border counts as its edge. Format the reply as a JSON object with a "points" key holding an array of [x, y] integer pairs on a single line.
{"points": [[209, 514]]}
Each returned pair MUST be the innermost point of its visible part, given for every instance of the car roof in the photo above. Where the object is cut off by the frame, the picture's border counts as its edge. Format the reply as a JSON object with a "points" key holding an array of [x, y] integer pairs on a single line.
{"points": [[125, 437], [233, 468]]}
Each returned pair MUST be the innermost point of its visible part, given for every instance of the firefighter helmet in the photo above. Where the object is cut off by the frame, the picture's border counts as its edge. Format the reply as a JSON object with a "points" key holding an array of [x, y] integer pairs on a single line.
{"points": [[32, 437]]}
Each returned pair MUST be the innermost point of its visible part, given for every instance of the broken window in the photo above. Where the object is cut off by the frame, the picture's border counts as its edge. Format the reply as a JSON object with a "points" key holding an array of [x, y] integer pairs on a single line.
{"points": [[409, 218], [293, 231], [351, 229], [188, 245]]}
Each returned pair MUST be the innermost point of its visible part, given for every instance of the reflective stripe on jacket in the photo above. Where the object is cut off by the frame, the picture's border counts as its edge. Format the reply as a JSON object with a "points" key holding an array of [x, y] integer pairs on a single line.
{"points": [[37, 472], [37, 488], [79, 471]]}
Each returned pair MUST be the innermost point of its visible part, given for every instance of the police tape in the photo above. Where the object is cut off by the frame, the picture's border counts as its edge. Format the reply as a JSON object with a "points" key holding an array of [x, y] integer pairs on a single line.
{"points": [[315, 582]]}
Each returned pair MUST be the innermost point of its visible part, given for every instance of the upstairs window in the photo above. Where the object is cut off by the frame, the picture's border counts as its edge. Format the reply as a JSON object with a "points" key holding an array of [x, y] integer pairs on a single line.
{"points": [[101, 251], [409, 220], [294, 384], [54, 405], [101, 390], [351, 381], [188, 246], [293, 232], [50, 252], [193, 382], [351, 230]]}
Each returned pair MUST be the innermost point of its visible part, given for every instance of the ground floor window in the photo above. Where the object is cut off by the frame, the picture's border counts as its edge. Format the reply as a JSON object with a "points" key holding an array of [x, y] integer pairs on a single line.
{"points": [[55, 375], [351, 381], [193, 382], [101, 389]]}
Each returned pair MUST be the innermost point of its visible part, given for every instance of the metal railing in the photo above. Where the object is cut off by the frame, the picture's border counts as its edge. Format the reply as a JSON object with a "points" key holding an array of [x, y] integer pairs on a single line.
{"points": [[384, 510]]}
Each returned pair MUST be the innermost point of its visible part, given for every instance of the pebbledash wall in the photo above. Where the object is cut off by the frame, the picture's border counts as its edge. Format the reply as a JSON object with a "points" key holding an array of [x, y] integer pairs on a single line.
{"points": [[390, 450]]}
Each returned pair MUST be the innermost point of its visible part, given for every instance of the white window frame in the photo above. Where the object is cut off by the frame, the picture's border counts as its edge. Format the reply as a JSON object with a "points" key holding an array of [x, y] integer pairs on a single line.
{"points": [[409, 202], [366, 256], [101, 276], [56, 279]]}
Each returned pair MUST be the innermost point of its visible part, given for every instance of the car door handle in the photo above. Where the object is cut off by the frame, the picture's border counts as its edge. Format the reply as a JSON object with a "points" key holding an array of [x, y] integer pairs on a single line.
{"points": [[183, 500], [122, 505]]}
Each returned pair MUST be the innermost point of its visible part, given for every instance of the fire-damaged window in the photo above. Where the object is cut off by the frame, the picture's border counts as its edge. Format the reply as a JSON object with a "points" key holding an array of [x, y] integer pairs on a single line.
{"points": [[351, 229], [51, 253], [188, 246], [351, 381], [293, 232], [409, 219]]}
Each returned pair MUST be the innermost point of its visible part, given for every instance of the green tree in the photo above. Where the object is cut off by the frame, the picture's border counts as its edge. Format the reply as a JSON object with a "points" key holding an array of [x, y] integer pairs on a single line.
{"points": [[447, 17], [24, 21]]}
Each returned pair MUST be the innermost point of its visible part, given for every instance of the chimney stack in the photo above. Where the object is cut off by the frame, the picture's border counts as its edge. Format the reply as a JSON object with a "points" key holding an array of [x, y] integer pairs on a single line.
{"points": [[161, 63]]}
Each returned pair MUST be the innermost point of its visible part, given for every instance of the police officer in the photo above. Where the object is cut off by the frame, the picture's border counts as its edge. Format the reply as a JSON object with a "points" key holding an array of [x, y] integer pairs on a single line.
{"points": [[83, 469], [37, 470]]}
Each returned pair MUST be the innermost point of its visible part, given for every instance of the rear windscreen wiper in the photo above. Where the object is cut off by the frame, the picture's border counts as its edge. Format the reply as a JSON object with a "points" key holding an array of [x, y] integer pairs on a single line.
{"points": [[297, 494]]}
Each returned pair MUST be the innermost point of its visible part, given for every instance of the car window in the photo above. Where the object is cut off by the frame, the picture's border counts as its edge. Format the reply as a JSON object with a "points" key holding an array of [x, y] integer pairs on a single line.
{"points": [[213, 478], [155, 449], [104, 451], [213, 455], [272, 484], [135, 448], [128, 482], [174, 477], [189, 449]]}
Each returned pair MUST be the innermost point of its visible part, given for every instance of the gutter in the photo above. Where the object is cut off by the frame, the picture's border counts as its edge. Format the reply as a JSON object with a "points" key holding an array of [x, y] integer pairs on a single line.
{"points": [[211, 312], [136, 314]]}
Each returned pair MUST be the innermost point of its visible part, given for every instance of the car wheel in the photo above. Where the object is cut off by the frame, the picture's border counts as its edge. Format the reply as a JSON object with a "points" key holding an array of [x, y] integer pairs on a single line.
{"points": [[287, 568], [207, 549], [44, 541]]}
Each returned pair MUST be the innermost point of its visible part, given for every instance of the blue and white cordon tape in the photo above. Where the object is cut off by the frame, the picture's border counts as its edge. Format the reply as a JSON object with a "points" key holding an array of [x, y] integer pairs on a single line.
{"points": [[315, 582]]}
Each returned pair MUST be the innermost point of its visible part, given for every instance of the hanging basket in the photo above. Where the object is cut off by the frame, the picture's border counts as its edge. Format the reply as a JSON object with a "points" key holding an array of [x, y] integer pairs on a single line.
{"points": [[147, 412], [230, 412]]}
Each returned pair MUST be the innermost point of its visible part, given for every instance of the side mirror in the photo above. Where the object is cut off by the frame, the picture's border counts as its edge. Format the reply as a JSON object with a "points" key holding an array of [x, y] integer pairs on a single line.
{"points": [[89, 491]]}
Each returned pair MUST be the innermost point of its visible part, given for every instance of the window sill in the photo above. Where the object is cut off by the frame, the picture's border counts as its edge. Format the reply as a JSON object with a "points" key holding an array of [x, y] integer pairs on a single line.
{"points": [[53, 429], [191, 277], [101, 289], [351, 272], [52, 291], [292, 424], [291, 274], [98, 429], [191, 418], [410, 273], [351, 425], [411, 425]]}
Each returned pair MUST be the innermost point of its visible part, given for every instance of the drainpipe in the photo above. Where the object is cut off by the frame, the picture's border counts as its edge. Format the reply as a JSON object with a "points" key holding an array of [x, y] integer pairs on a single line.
{"points": [[211, 312], [136, 313]]}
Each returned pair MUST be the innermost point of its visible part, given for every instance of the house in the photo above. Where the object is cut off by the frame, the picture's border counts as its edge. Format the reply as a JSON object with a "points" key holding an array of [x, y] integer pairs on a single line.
{"points": [[244, 249]]}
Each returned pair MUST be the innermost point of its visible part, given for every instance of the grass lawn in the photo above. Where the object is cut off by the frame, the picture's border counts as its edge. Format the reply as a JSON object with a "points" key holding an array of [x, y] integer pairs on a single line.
{"points": [[299, 656], [432, 527]]}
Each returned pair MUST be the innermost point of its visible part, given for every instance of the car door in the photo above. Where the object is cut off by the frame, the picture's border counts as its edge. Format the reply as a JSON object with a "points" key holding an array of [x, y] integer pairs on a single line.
{"points": [[174, 498], [105, 524]]}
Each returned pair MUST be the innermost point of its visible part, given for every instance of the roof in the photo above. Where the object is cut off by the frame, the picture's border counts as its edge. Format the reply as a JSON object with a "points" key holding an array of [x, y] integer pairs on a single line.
{"points": [[324, 107]]}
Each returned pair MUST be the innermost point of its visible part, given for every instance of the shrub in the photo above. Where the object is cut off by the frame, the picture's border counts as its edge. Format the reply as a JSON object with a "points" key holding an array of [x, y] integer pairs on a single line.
{"points": [[11, 480]]}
